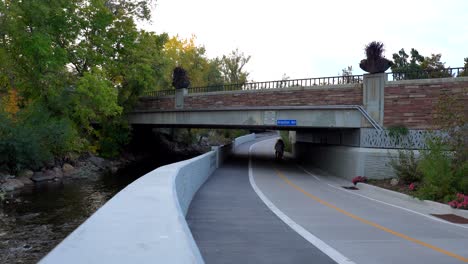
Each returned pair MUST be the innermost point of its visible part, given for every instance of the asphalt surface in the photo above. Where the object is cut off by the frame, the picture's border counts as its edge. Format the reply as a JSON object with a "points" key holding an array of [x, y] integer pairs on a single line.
{"points": [[232, 225]]}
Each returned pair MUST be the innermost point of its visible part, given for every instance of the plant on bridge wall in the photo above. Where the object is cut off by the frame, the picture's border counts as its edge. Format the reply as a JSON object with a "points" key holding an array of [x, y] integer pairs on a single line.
{"points": [[180, 78], [375, 62], [397, 133]]}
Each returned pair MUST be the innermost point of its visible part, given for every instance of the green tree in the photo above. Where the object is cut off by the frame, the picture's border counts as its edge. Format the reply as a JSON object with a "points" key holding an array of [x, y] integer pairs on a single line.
{"points": [[418, 67], [80, 62], [464, 73], [232, 67], [186, 54]]}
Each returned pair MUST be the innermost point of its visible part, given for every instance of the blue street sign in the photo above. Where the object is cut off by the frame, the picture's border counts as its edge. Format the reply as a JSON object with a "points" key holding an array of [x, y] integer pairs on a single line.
{"points": [[285, 122]]}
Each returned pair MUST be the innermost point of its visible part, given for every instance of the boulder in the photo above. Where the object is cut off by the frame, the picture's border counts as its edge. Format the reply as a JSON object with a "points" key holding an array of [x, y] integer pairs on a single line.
{"points": [[114, 169], [11, 185], [394, 181], [48, 175], [25, 180], [98, 162], [67, 169], [58, 172], [26, 173]]}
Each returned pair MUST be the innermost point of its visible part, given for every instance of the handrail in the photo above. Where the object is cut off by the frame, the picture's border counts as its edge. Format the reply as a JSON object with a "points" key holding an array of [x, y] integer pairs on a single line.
{"points": [[279, 84], [312, 82], [427, 74]]}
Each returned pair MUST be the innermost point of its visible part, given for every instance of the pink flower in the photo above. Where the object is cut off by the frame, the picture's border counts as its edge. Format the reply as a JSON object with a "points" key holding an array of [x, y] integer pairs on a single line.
{"points": [[412, 186], [453, 204], [359, 179]]}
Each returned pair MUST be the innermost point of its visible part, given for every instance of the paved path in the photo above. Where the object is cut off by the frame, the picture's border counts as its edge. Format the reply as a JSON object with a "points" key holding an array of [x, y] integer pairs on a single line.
{"points": [[232, 225]]}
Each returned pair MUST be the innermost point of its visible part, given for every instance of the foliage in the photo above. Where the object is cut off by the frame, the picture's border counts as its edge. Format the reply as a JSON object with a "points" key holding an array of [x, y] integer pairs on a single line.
{"points": [[359, 179], [81, 62], [112, 136], [461, 202], [440, 179], [94, 99], [450, 117], [232, 67], [287, 143], [418, 66], [374, 50], [185, 53], [180, 78], [444, 165], [464, 73], [11, 102], [397, 133], [346, 73], [406, 167], [375, 62], [35, 138]]}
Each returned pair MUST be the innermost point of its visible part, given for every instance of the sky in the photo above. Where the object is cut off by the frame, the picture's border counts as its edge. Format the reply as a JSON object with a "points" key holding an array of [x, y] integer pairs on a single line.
{"points": [[305, 38]]}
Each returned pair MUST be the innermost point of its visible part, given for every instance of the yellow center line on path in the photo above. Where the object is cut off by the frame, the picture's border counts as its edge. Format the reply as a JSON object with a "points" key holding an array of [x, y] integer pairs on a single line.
{"points": [[440, 250]]}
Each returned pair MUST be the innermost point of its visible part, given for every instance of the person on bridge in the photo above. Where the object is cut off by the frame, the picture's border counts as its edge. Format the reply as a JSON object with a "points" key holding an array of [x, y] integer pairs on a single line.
{"points": [[279, 149]]}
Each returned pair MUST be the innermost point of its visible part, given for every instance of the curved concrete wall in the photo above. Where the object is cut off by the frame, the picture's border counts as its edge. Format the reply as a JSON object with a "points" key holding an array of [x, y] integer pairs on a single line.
{"points": [[145, 222], [241, 140]]}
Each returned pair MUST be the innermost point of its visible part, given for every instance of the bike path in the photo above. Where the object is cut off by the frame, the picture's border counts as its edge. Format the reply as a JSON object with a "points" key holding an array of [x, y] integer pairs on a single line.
{"points": [[363, 230], [231, 224]]}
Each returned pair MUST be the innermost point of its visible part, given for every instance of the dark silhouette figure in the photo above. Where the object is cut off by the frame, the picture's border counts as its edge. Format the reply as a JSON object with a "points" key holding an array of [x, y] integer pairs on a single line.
{"points": [[375, 62], [279, 149], [180, 79]]}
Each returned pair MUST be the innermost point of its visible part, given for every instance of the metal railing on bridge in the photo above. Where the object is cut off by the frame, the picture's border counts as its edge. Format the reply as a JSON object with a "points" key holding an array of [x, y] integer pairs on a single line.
{"points": [[427, 74], [308, 82], [311, 82]]}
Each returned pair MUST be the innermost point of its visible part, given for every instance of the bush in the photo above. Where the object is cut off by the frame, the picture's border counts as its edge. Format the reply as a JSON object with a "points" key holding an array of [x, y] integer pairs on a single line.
{"points": [[461, 202], [112, 136], [34, 137], [441, 180], [359, 179], [406, 167]]}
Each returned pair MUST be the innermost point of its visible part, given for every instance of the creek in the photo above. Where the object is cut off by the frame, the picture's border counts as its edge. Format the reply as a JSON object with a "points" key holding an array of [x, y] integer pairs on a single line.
{"points": [[36, 219]]}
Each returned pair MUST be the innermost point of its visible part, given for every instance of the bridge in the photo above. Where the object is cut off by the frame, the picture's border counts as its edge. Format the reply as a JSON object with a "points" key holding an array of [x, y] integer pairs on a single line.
{"points": [[371, 100], [341, 118]]}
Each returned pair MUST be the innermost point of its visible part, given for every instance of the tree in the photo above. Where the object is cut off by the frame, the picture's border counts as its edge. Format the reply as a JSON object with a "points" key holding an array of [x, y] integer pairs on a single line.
{"points": [[78, 62], [418, 67], [185, 53], [464, 73], [232, 67], [347, 73]]}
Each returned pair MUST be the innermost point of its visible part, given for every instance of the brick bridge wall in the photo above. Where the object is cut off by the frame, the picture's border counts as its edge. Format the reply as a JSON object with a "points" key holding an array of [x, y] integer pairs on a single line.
{"points": [[306, 96], [410, 103]]}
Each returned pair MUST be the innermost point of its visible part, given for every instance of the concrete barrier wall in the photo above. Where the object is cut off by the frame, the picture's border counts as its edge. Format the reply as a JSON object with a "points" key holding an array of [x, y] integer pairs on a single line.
{"points": [[145, 222], [348, 162], [241, 140]]}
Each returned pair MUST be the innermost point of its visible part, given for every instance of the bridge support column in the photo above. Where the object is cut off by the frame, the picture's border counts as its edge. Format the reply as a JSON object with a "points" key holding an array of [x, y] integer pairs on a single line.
{"points": [[373, 95], [179, 97]]}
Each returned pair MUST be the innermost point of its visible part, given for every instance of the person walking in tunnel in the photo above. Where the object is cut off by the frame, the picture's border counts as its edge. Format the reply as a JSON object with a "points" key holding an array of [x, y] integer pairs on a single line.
{"points": [[279, 149]]}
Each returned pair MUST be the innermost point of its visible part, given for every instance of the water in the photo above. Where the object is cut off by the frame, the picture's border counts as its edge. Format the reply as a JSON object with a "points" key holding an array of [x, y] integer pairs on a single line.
{"points": [[35, 220]]}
